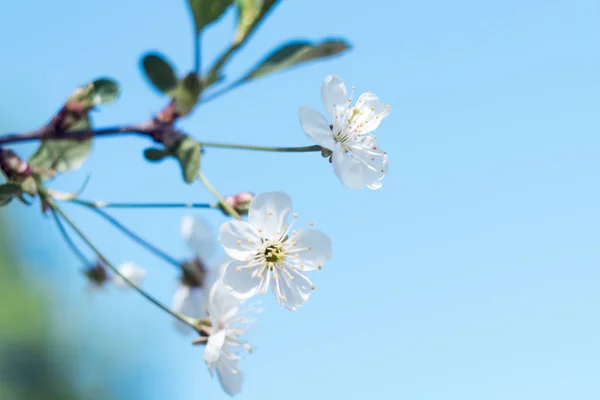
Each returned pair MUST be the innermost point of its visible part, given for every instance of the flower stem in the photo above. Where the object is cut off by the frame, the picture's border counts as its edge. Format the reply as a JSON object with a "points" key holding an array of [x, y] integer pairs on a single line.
{"points": [[224, 204], [304, 149], [148, 297], [69, 240], [134, 236], [103, 204]]}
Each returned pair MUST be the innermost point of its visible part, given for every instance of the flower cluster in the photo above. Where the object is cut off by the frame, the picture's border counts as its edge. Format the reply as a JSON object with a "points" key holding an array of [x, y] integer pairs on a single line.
{"points": [[267, 251]]}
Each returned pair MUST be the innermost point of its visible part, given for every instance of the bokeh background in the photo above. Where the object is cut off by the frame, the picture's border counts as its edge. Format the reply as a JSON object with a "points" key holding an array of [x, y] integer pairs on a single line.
{"points": [[473, 273]]}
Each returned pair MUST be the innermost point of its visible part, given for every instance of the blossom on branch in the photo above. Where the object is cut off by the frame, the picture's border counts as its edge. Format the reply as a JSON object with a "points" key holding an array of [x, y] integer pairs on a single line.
{"points": [[98, 276], [357, 160], [224, 346], [265, 250], [191, 295]]}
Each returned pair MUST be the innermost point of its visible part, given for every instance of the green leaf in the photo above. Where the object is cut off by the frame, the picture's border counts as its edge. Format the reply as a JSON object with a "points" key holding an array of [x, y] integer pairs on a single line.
{"points": [[186, 93], [105, 91], [154, 155], [249, 15], [295, 53], [188, 151], [206, 12], [8, 191], [100, 91], [63, 155], [159, 72]]}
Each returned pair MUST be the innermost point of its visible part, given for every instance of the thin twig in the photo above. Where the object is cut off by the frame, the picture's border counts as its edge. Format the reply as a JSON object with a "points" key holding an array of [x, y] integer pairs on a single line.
{"points": [[149, 297], [79, 134], [69, 240], [103, 204], [134, 236], [230, 210]]}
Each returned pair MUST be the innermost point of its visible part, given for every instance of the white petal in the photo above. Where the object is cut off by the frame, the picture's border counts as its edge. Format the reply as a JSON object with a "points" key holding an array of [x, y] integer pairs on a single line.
{"points": [[349, 170], [244, 282], [230, 377], [372, 112], [292, 288], [269, 212], [334, 95], [222, 304], [198, 235], [191, 302], [215, 342], [316, 127], [239, 239], [375, 162], [314, 248], [132, 272]]}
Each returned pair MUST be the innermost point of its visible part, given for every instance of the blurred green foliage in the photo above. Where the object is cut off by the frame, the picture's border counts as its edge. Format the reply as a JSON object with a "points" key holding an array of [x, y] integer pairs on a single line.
{"points": [[28, 371]]}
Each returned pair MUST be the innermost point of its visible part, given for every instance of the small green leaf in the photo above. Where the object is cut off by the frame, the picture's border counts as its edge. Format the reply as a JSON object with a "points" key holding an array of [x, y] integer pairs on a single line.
{"points": [[207, 11], [154, 155], [249, 15], [186, 93], [63, 155], [105, 91], [8, 191], [188, 151], [100, 91], [159, 72], [294, 53]]}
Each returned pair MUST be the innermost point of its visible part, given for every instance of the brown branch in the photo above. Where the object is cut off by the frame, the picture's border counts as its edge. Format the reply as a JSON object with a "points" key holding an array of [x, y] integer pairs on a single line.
{"points": [[152, 129]]}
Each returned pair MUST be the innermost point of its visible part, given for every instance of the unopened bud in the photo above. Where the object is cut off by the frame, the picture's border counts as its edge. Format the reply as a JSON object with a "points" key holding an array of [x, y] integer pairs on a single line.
{"points": [[13, 166], [239, 202]]}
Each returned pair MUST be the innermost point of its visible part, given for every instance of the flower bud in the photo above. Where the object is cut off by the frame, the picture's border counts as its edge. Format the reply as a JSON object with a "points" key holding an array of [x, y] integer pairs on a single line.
{"points": [[240, 203], [13, 167]]}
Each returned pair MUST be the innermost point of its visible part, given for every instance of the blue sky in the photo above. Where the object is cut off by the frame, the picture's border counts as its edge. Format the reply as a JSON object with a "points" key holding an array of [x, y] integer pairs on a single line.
{"points": [[472, 274]]}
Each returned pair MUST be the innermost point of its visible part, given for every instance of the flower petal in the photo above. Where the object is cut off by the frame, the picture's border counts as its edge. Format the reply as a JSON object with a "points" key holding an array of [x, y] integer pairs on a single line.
{"points": [[198, 235], [362, 167], [372, 112], [132, 272], [215, 342], [269, 212], [191, 303], [349, 170], [222, 304], [316, 127], [313, 247], [230, 377], [375, 161], [292, 288], [239, 239], [334, 95], [243, 281]]}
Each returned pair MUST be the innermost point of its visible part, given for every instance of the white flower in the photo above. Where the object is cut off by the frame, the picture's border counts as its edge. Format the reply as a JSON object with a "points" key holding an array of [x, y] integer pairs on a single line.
{"points": [[356, 158], [224, 346], [266, 250], [130, 271], [191, 295]]}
